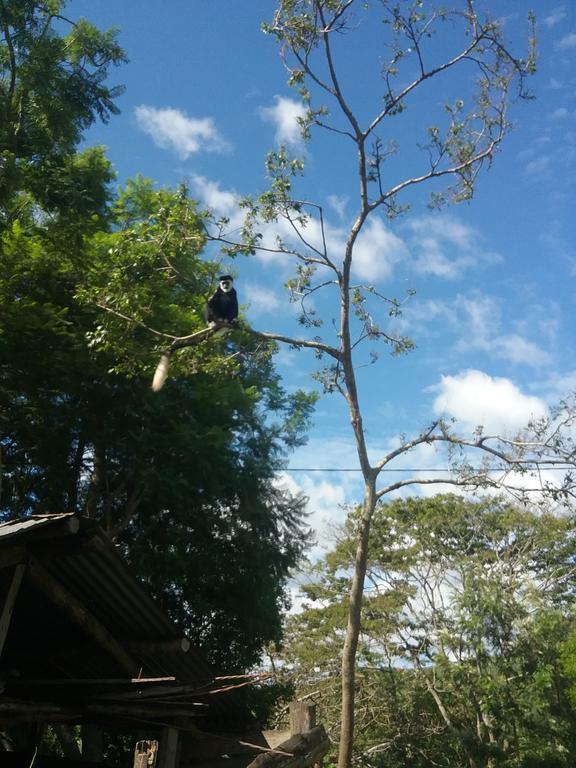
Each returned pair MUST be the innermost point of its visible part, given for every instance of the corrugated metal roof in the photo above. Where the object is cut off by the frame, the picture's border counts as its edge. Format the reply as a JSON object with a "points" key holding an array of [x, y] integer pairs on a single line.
{"points": [[24, 525], [78, 554]]}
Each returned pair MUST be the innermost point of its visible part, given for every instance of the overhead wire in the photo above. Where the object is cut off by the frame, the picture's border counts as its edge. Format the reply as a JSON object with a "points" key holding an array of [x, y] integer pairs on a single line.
{"points": [[411, 469]]}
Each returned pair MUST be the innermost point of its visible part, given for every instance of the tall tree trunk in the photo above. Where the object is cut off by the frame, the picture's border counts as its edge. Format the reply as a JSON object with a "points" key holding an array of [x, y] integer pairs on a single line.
{"points": [[76, 473], [348, 667], [96, 482]]}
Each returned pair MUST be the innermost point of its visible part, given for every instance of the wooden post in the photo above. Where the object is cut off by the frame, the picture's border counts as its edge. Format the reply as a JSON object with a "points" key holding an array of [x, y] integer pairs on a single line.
{"points": [[9, 603], [302, 717], [145, 754], [169, 748], [304, 750], [92, 743]]}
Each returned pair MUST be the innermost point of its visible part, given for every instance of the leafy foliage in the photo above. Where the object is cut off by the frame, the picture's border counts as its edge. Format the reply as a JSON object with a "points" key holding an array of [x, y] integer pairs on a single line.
{"points": [[183, 481], [463, 654], [52, 87]]}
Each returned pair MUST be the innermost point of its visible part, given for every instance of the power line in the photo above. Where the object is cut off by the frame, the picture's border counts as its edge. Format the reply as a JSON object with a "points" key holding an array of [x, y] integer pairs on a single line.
{"points": [[356, 469], [412, 469]]}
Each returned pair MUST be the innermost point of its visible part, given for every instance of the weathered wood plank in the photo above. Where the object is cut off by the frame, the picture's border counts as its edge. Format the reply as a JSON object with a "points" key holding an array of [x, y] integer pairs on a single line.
{"points": [[300, 751], [302, 717], [181, 645], [120, 682], [145, 754], [159, 711], [36, 711]]}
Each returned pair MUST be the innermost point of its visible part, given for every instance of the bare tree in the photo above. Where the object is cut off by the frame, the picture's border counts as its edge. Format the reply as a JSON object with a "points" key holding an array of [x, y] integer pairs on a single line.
{"points": [[451, 156]]}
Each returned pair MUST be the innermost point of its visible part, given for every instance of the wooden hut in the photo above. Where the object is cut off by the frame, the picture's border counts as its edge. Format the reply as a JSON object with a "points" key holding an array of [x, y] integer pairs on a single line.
{"points": [[86, 651]]}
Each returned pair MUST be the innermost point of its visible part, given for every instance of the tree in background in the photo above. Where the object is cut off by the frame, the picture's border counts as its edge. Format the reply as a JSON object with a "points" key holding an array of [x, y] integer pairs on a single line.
{"points": [[52, 87], [454, 144], [183, 481], [464, 627], [459, 56]]}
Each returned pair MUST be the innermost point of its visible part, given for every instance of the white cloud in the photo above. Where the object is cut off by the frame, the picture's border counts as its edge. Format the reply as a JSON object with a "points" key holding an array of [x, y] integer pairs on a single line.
{"points": [[559, 114], [261, 299], [559, 387], [475, 398], [516, 349], [377, 251], [173, 129], [480, 315], [477, 322], [222, 201], [557, 243], [538, 165], [446, 247], [567, 43], [284, 116], [557, 15], [326, 505], [338, 203]]}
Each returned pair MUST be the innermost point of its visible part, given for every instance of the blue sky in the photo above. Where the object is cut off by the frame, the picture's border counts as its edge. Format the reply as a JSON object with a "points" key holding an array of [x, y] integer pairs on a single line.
{"points": [[493, 313]]}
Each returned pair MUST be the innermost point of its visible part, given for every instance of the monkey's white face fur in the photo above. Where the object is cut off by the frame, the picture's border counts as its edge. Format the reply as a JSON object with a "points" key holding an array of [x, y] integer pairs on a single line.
{"points": [[226, 285]]}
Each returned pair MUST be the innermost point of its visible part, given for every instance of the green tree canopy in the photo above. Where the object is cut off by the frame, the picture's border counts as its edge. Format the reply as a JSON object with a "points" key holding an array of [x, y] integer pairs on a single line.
{"points": [[182, 480], [52, 86], [466, 608]]}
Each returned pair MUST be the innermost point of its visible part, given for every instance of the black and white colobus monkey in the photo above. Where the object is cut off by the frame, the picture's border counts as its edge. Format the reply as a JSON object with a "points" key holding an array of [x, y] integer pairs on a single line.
{"points": [[223, 306]]}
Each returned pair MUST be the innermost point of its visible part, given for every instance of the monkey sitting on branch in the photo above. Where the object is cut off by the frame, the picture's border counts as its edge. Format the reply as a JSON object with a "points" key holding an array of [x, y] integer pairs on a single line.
{"points": [[223, 306], [220, 311]]}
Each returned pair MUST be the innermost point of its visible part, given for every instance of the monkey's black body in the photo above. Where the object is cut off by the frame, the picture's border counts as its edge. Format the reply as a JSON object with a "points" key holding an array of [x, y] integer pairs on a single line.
{"points": [[222, 307]]}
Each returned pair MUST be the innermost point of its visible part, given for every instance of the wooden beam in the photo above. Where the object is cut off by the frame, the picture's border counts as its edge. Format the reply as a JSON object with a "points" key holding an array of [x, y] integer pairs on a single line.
{"points": [[180, 645], [156, 712], [78, 612], [9, 603], [120, 682], [156, 692], [36, 710]]}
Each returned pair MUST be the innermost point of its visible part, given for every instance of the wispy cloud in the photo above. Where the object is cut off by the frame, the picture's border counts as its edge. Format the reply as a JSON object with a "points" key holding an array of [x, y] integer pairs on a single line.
{"points": [[445, 247], [223, 202], [557, 15], [339, 203], [519, 350], [377, 251], [567, 43], [477, 321], [175, 130], [479, 318], [261, 299], [538, 165], [559, 244], [285, 115]]}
